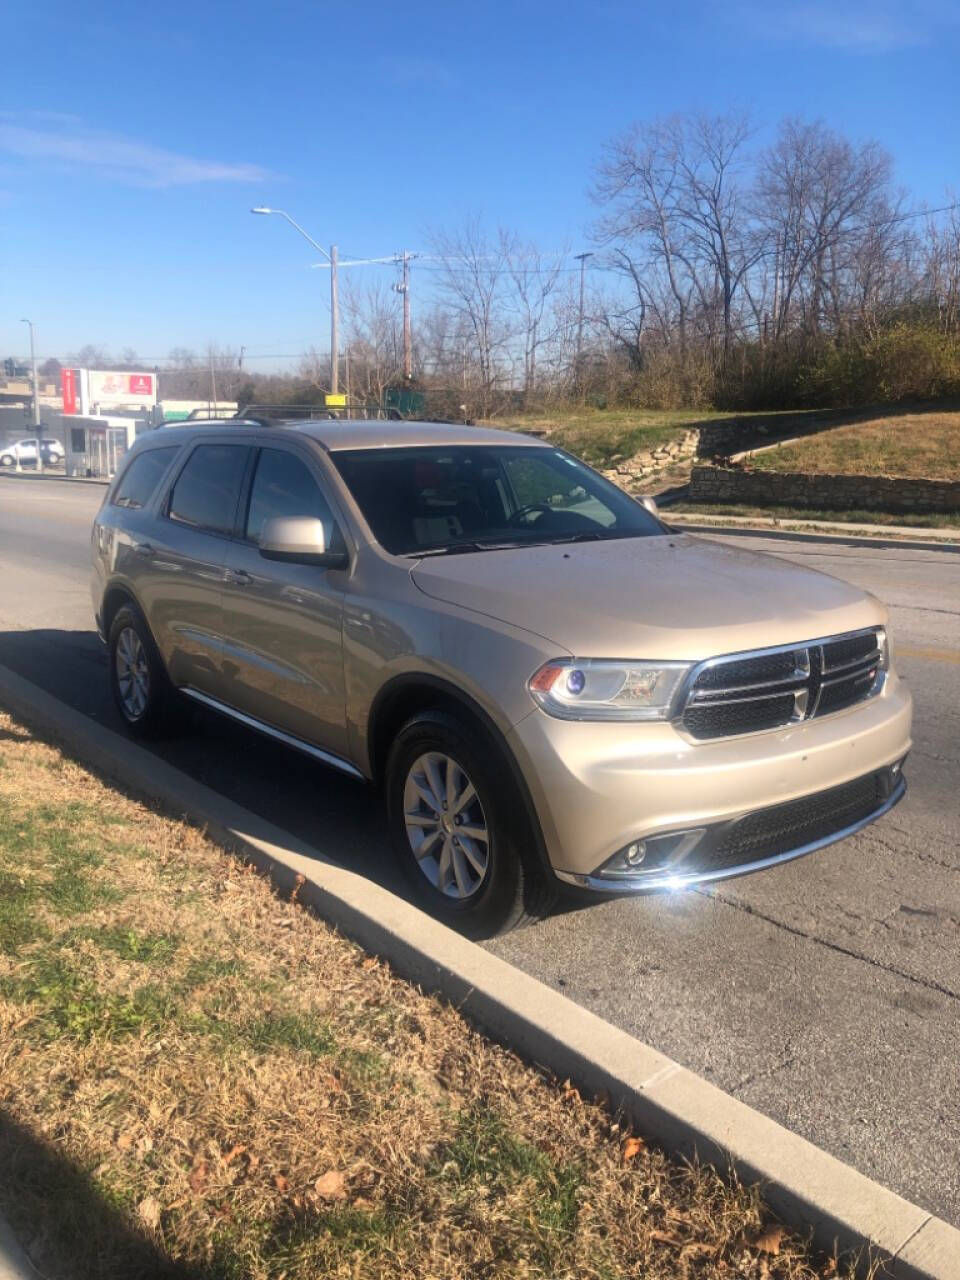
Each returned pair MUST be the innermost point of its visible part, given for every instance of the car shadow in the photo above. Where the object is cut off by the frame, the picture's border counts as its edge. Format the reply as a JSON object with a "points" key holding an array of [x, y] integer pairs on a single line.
{"points": [[341, 817]]}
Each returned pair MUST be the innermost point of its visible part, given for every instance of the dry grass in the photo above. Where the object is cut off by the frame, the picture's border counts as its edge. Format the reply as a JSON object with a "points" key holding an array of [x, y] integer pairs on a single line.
{"points": [[910, 444], [199, 1079], [600, 436]]}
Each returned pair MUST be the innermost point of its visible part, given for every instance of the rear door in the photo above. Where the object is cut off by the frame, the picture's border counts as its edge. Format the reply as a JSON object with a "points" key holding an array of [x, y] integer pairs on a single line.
{"points": [[282, 623], [181, 557]]}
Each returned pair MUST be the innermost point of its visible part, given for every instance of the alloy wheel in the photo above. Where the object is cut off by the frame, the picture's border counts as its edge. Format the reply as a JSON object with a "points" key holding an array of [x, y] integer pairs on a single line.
{"points": [[133, 673], [445, 824]]}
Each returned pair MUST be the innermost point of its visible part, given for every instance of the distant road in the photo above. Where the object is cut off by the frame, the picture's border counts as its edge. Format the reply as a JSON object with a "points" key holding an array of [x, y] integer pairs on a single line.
{"points": [[826, 993]]}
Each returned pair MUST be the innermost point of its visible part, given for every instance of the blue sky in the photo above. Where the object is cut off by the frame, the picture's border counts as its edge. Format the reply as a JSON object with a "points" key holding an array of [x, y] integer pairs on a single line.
{"points": [[134, 139]]}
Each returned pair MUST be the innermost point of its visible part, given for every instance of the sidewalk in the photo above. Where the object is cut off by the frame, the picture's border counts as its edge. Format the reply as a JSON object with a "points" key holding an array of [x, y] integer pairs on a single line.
{"points": [[7, 474], [901, 533]]}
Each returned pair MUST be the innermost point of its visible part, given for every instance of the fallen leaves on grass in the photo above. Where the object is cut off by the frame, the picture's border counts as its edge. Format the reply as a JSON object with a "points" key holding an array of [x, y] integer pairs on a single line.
{"points": [[331, 1186], [771, 1240]]}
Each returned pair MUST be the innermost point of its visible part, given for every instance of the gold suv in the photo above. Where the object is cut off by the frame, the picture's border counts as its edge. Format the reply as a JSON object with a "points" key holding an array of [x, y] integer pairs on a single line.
{"points": [[550, 686]]}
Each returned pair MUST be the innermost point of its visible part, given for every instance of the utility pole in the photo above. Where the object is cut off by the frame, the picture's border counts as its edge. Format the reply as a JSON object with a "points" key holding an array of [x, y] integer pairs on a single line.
{"points": [[582, 259], [36, 397], [403, 288], [334, 323]]}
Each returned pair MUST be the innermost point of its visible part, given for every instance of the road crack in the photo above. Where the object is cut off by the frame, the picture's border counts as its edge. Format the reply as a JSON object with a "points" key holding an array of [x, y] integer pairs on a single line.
{"points": [[849, 952]]}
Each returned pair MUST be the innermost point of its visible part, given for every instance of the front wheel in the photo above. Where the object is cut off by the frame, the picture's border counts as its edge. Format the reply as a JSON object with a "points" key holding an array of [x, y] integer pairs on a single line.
{"points": [[458, 827], [6, 459]]}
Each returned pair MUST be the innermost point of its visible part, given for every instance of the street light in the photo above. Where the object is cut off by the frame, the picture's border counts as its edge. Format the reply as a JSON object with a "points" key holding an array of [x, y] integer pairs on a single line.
{"points": [[331, 257], [36, 400]]}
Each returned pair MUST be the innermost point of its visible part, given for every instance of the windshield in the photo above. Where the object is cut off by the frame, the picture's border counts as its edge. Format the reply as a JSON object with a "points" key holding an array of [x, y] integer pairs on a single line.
{"points": [[428, 500]]}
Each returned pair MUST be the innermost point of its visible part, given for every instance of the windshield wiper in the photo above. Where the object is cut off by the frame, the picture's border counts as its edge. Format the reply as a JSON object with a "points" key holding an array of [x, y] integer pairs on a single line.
{"points": [[458, 548]]}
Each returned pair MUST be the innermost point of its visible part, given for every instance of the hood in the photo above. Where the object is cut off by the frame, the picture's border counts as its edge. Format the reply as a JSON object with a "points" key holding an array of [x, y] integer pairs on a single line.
{"points": [[675, 596]]}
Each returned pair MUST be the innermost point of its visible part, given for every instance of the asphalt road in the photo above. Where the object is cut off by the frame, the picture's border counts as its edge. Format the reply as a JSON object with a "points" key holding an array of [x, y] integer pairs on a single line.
{"points": [[826, 993]]}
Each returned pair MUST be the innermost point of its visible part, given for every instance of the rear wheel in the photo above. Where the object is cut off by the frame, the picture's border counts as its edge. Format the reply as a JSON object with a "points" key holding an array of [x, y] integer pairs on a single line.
{"points": [[141, 689], [459, 828]]}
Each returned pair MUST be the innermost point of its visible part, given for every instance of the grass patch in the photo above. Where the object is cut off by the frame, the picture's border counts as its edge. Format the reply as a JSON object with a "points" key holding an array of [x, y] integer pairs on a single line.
{"points": [[242, 1093], [907, 444], [602, 436]]}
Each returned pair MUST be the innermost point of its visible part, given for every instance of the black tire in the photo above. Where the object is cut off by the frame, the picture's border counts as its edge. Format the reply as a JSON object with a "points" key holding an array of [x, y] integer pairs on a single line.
{"points": [[6, 460], [513, 887], [162, 712]]}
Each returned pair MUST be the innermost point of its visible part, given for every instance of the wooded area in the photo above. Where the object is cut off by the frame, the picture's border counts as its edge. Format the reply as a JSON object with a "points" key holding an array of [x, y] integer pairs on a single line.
{"points": [[722, 273]]}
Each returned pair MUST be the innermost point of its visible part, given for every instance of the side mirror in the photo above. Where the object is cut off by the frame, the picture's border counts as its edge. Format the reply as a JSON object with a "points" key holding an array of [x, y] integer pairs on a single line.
{"points": [[651, 506], [299, 540]]}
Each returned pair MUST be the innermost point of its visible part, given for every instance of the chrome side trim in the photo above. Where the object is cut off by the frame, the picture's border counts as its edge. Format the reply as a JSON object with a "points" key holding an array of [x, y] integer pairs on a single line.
{"points": [[600, 885], [326, 757]]}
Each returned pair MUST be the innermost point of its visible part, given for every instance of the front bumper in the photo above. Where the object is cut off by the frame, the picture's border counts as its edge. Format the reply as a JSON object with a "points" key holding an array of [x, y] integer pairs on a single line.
{"points": [[702, 868], [597, 787]]}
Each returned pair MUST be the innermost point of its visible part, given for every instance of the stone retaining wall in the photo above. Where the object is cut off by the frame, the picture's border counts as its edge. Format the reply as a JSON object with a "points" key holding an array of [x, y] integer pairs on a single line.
{"points": [[830, 491], [628, 472]]}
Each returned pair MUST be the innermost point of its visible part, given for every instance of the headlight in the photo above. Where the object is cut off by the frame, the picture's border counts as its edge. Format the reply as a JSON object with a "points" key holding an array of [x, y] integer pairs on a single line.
{"points": [[604, 689]]}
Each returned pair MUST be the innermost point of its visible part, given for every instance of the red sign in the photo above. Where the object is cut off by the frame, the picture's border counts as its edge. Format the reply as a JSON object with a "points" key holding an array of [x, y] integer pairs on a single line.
{"points": [[141, 384], [68, 383]]}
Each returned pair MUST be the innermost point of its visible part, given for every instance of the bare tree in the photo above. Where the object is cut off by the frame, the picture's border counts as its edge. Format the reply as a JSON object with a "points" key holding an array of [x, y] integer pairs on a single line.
{"points": [[678, 225], [820, 198], [472, 279], [374, 339], [534, 279]]}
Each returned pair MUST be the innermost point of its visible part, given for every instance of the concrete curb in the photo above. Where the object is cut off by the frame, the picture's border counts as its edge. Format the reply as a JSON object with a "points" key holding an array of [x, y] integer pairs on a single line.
{"points": [[14, 1263], [802, 535], [671, 1105], [46, 475]]}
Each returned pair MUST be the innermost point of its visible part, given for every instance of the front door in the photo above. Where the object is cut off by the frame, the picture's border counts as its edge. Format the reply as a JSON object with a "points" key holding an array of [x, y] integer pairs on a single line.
{"points": [[282, 623]]}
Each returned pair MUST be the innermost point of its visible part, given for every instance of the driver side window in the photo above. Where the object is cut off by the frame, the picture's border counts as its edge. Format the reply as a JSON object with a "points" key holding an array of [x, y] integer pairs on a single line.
{"points": [[283, 486]]}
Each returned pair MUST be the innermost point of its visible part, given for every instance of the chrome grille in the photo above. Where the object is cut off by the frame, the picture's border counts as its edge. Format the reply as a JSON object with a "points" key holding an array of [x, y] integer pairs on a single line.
{"points": [[773, 688]]}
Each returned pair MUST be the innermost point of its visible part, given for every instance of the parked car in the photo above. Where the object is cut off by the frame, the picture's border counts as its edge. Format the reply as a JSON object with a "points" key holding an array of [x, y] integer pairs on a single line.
{"points": [[551, 688], [25, 451]]}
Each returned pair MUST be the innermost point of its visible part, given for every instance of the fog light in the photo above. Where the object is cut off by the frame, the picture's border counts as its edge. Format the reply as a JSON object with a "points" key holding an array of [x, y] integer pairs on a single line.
{"points": [[652, 856]]}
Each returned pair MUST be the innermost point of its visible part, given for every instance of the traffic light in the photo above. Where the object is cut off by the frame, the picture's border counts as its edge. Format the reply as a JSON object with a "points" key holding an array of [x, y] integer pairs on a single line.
{"points": [[10, 367]]}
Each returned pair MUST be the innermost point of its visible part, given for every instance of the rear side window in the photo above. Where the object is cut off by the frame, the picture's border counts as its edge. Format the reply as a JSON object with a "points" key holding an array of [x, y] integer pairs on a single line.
{"points": [[140, 480], [283, 486], [206, 491]]}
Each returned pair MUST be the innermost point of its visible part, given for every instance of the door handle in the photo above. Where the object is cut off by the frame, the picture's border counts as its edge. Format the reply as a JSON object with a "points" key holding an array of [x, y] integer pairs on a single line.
{"points": [[145, 550], [239, 577]]}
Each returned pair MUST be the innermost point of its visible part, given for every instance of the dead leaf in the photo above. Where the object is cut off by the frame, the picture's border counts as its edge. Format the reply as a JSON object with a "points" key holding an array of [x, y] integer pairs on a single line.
{"points": [[570, 1093], [330, 1186], [370, 962], [144, 1146], [252, 1161], [235, 1151], [198, 1177], [632, 1147], [829, 1268], [770, 1241], [149, 1211], [297, 886], [125, 1141], [280, 1182]]}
